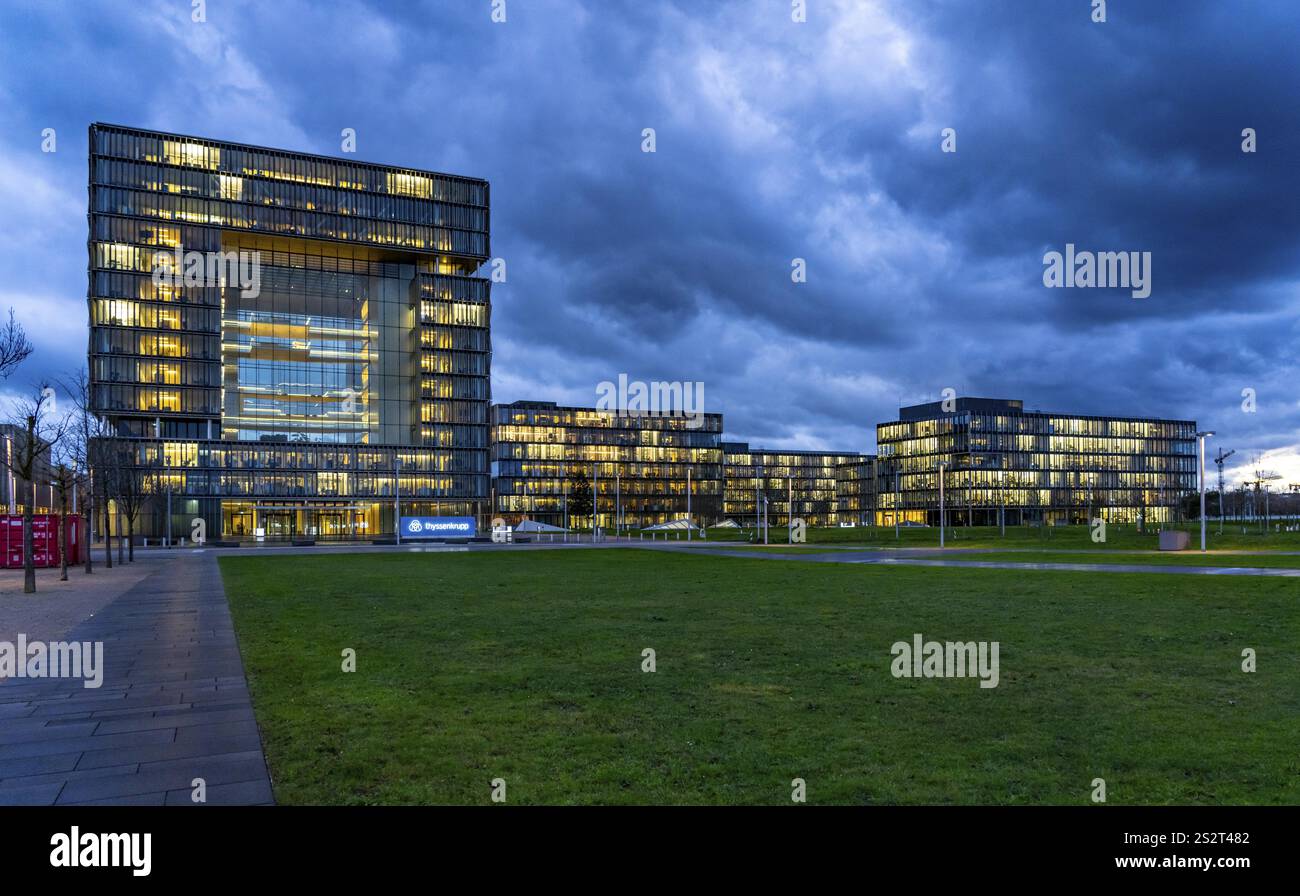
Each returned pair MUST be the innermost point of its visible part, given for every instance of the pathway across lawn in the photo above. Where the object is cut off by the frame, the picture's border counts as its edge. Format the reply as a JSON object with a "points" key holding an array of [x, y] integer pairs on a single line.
{"points": [[173, 706], [980, 558]]}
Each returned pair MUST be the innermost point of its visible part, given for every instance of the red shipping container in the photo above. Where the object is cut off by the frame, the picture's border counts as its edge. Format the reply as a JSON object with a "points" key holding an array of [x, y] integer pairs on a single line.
{"points": [[45, 540]]}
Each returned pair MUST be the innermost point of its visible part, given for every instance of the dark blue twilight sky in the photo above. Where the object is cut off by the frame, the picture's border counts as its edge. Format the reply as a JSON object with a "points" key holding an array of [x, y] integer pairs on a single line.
{"points": [[775, 140]]}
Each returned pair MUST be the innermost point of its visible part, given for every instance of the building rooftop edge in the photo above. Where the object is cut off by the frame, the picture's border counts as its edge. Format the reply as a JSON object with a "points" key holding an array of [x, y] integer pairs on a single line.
{"points": [[293, 152], [933, 410]]}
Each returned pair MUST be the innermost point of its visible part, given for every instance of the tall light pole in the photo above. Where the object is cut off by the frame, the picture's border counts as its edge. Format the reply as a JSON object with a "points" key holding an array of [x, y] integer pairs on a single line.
{"points": [[789, 516], [897, 499], [688, 503], [1201, 437], [397, 497], [766, 524], [12, 484], [1002, 514], [875, 490], [940, 503]]}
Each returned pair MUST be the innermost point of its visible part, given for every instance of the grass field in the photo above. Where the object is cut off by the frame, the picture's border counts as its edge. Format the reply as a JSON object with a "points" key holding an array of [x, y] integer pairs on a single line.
{"points": [[526, 665]]}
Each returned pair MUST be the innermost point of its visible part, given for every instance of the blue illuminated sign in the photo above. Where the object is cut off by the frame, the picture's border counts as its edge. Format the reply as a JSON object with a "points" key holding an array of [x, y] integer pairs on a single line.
{"points": [[438, 527]]}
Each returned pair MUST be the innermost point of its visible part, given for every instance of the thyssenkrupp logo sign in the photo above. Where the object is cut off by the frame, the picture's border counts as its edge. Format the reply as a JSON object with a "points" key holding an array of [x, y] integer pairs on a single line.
{"points": [[438, 527]]}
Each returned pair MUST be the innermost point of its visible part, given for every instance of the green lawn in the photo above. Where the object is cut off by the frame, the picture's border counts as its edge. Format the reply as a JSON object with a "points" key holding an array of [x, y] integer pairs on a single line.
{"points": [[526, 665]]}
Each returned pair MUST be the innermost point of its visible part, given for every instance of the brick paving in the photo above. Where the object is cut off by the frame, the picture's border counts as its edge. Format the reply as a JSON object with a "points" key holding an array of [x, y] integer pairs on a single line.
{"points": [[173, 707]]}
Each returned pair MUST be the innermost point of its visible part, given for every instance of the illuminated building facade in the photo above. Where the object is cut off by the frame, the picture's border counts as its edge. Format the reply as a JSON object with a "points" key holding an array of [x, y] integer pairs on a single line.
{"points": [[856, 492], [285, 341], [641, 465], [807, 477], [1042, 467], [15, 491]]}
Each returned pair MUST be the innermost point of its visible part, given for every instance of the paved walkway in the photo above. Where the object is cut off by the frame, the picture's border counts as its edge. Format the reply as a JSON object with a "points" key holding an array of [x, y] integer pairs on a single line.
{"points": [[58, 606], [938, 557], [173, 706]]}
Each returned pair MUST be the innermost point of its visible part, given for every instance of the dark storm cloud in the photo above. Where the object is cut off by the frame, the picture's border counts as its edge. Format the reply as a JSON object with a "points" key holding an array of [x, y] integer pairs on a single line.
{"points": [[776, 140]]}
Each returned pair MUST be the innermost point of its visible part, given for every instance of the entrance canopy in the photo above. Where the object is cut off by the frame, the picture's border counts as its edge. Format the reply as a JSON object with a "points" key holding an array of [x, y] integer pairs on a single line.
{"points": [[673, 526], [528, 526]]}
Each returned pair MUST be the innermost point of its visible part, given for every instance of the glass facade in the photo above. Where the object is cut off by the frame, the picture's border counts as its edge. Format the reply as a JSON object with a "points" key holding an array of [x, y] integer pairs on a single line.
{"points": [[289, 342], [856, 492], [362, 325], [1051, 468], [640, 463], [802, 484]]}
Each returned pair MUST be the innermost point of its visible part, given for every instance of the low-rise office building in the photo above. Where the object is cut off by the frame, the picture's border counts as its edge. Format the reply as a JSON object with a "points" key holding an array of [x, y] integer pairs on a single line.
{"points": [[999, 461], [15, 491], [798, 484], [640, 466]]}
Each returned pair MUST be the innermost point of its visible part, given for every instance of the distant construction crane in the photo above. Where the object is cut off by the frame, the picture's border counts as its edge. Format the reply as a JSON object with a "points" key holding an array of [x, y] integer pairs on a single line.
{"points": [[1219, 459]]}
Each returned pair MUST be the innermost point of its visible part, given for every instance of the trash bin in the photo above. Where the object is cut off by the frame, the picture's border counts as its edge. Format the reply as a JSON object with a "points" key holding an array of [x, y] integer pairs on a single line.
{"points": [[1173, 540]]}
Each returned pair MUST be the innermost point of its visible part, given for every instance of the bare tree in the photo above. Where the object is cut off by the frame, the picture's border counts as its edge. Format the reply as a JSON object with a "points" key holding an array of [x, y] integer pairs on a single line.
{"points": [[64, 478], [14, 346], [131, 480], [37, 430], [88, 434]]}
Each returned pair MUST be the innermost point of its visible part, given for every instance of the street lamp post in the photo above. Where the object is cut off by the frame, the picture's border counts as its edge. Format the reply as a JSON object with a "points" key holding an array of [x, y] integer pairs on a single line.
{"points": [[1201, 437], [1002, 514], [767, 519], [940, 503], [875, 491], [897, 500], [397, 498]]}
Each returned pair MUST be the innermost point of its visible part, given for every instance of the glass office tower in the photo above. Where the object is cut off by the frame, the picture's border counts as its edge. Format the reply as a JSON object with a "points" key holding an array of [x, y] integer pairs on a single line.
{"points": [[810, 476], [640, 464], [284, 342], [1034, 467]]}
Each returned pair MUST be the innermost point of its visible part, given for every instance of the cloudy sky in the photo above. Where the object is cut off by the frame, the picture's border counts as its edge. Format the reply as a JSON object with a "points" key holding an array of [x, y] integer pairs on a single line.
{"points": [[775, 140]]}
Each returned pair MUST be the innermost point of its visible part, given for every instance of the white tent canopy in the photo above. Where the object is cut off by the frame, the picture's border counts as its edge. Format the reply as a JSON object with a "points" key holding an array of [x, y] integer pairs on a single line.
{"points": [[528, 526], [726, 524], [673, 526]]}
